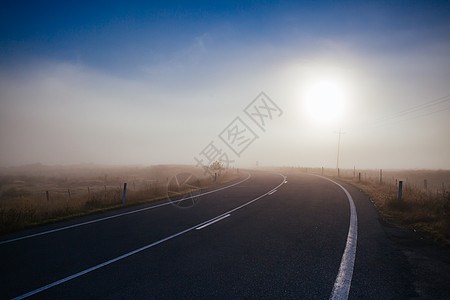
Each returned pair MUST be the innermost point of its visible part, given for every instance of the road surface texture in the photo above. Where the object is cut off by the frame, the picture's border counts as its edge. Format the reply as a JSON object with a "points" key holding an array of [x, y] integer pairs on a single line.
{"points": [[267, 237]]}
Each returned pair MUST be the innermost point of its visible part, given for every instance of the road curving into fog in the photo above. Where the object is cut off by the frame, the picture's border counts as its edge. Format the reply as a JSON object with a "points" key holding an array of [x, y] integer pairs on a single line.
{"points": [[264, 237]]}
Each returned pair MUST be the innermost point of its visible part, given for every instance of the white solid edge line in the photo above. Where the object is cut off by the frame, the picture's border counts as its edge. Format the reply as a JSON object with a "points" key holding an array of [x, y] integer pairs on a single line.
{"points": [[212, 222], [341, 288], [119, 215], [58, 282]]}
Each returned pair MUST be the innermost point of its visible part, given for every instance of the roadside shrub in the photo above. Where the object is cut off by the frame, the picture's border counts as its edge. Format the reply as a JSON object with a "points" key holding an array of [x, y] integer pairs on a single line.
{"points": [[398, 204]]}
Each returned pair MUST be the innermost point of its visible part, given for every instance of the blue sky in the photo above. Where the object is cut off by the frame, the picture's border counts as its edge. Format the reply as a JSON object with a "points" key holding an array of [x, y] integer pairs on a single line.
{"points": [[157, 72], [120, 36]]}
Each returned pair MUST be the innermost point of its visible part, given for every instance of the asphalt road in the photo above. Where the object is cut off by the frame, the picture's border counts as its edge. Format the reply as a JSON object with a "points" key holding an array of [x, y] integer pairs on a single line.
{"points": [[274, 239]]}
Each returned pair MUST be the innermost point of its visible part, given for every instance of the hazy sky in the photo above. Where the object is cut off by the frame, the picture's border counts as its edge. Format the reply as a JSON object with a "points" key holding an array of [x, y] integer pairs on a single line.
{"points": [[155, 83]]}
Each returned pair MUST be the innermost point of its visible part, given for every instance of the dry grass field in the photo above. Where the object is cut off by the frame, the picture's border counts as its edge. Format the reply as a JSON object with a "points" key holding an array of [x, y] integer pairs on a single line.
{"points": [[37, 194]]}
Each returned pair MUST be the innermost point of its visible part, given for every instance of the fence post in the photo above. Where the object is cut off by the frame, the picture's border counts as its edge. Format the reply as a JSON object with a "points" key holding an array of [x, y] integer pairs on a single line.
{"points": [[338, 172], [400, 186], [124, 192], [68, 191], [381, 176], [359, 176], [47, 195]]}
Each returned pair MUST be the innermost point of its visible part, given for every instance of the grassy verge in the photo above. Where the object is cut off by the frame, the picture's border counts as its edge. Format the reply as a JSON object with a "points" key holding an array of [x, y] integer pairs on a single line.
{"points": [[428, 213], [20, 210]]}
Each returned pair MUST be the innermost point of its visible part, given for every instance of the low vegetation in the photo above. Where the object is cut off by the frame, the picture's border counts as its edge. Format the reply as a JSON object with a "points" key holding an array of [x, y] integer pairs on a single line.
{"points": [[38, 194], [425, 212]]}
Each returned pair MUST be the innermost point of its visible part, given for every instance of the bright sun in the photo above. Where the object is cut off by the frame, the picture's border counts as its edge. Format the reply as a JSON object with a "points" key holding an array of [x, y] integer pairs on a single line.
{"points": [[324, 100]]}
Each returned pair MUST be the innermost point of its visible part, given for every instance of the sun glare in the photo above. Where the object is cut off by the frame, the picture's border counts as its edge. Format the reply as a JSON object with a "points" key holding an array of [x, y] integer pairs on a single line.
{"points": [[324, 100]]}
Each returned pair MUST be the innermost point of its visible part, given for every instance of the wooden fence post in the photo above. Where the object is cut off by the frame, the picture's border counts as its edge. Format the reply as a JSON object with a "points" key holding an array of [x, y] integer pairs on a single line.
{"points": [[400, 186], [124, 192]]}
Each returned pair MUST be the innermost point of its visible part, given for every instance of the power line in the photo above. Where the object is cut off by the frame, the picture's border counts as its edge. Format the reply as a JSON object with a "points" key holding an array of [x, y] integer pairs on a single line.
{"points": [[418, 107], [427, 114], [414, 109]]}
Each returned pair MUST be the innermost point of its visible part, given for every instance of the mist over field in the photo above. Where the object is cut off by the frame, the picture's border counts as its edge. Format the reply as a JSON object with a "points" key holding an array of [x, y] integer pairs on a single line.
{"points": [[149, 84], [155, 139]]}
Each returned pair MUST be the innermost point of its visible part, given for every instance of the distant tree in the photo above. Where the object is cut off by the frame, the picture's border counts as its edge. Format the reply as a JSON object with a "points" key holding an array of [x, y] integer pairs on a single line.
{"points": [[216, 166]]}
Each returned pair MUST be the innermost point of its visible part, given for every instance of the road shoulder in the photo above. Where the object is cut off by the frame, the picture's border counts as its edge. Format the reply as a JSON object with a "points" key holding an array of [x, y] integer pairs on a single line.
{"points": [[427, 262]]}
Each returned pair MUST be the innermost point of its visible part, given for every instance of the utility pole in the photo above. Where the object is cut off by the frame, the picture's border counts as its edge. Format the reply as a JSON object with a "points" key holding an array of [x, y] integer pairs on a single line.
{"points": [[339, 143]]}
